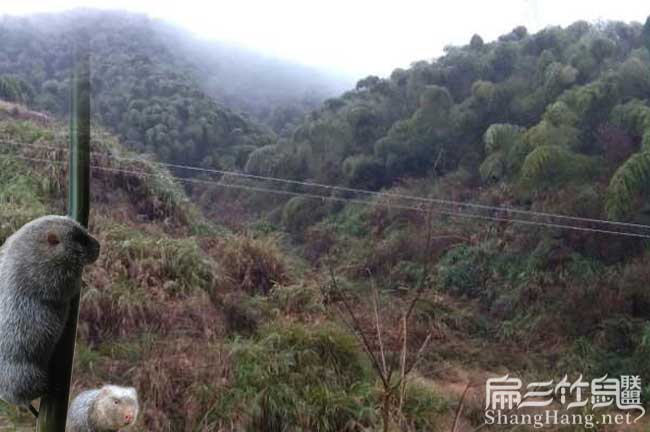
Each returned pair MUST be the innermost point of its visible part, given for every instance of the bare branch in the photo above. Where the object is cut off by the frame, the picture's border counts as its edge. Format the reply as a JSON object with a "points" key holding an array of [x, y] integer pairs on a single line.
{"points": [[375, 301], [418, 354], [359, 329], [427, 262], [403, 372], [460, 408]]}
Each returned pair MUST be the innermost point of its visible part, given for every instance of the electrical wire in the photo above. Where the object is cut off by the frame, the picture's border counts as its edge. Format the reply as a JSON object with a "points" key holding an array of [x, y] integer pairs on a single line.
{"points": [[361, 191], [341, 199]]}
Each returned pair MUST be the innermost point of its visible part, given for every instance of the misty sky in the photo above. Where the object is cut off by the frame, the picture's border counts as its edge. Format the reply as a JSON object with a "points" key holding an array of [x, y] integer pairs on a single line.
{"points": [[355, 37]]}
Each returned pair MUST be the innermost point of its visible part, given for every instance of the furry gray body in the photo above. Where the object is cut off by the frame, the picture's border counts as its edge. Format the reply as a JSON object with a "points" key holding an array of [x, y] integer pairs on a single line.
{"points": [[37, 281], [92, 410]]}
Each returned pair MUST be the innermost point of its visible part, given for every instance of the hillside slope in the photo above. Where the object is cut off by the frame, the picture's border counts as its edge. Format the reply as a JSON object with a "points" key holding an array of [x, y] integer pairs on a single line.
{"points": [[202, 320], [123, 303], [553, 125]]}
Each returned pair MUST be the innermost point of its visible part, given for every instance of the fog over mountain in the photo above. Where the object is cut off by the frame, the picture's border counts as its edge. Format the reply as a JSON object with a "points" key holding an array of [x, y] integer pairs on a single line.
{"points": [[269, 88], [359, 38], [161, 89]]}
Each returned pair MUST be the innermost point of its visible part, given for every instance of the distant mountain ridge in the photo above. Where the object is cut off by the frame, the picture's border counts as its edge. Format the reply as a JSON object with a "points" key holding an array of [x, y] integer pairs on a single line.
{"points": [[149, 85]]}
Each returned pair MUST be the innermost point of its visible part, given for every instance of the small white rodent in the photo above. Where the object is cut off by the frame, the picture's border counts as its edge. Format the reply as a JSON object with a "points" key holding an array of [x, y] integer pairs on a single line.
{"points": [[107, 409]]}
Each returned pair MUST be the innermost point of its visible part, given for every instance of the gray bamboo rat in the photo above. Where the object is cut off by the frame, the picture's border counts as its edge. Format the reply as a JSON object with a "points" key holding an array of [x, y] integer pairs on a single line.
{"points": [[39, 266]]}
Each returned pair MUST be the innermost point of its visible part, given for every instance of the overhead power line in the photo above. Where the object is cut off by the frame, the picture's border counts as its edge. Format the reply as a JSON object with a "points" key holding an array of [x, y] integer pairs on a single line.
{"points": [[350, 200], [355, 190]]}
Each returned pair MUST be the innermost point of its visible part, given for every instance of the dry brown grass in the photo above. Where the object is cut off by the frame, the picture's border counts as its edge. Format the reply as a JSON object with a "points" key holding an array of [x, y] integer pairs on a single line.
{"points": [[20, 112], [179, 381], [250, 264]]}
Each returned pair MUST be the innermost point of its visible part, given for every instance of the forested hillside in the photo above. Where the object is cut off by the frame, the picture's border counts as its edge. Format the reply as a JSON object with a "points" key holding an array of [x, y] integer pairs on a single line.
{"points": [[481, 214], [563, 107]]}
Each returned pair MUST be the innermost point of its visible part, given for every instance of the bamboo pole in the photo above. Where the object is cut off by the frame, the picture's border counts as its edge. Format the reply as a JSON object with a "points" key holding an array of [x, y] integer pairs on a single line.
{"points": [[54, 405]]}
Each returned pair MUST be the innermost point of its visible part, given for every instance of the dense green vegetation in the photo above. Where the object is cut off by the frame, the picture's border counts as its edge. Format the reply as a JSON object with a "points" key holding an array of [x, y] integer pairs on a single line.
{"points": [[557, 121], [528, 111]]}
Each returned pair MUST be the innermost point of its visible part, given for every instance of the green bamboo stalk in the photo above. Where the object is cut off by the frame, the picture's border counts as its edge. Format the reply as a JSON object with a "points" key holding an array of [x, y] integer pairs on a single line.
{"points": [[54, 405]]}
